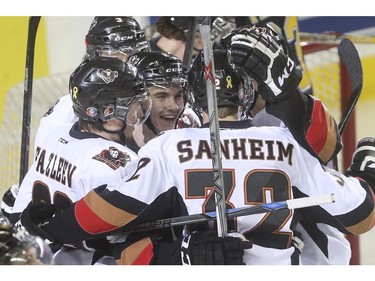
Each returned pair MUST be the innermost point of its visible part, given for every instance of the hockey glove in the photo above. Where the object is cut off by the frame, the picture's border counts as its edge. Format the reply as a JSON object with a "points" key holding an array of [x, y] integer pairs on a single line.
{"points": [[363, 164], [8, 200], [206, 248], [255, 50], [35, 216], [221, 27]]}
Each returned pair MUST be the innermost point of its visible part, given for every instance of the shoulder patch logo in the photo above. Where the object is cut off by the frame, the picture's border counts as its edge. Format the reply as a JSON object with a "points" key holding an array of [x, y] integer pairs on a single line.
{"points": [[113, 157]]}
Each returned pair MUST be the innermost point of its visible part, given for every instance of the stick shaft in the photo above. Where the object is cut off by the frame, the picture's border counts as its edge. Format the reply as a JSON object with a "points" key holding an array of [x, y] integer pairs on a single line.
{"points": [[233, 213], [28, 84], [189, 46], [209, 69]]}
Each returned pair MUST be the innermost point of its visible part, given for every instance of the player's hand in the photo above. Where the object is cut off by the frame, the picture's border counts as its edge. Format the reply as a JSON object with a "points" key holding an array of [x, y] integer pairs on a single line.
{"points": [[8, 200], [255, 50], [206, 248], [35, 216], [363, 164]]}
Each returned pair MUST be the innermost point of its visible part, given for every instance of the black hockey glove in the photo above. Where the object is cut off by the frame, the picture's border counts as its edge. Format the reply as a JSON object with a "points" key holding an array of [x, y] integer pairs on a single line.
{"points": [[206, 248], [8, 200], [363, 164], [35, 216], [255, 50]]}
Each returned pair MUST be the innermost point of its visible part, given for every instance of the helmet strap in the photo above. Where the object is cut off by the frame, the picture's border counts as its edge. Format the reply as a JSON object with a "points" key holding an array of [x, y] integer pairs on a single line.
{"points": [[120, 132], [151, 126]]}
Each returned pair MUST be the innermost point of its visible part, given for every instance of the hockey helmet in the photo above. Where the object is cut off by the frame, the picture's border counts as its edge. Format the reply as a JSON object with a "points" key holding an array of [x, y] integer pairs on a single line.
{"points": [[104, 83], [160, 68], [233, 86], [18, 247], [181, 23], [115, 34]]}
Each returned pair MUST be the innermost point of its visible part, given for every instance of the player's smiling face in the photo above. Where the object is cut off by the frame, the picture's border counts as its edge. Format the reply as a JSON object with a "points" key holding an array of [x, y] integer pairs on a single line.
{"points": [[167, 105]]}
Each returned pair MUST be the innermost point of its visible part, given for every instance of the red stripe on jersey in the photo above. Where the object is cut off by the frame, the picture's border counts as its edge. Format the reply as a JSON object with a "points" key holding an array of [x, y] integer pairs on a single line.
{"points": [[145, 257], [317, 133], [89, 221]]}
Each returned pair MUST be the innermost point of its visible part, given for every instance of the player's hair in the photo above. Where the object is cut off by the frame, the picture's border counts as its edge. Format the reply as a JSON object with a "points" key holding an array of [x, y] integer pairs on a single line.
{"points": [[101, 83], [115, 33], [233, 86], [173, 27]]}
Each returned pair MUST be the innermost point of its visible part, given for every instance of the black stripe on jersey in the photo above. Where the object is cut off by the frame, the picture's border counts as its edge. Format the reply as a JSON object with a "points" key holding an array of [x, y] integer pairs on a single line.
{"points": [[319, 238], [357, 215], [317, 213], [167, 205], [121, 201]]}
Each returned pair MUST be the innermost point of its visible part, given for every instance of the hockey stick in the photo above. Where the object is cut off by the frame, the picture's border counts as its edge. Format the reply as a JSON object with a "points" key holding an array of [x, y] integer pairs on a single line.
{"points": [[28, 85], [233, 213], [209, 75], [350, 57], [189, 45]]}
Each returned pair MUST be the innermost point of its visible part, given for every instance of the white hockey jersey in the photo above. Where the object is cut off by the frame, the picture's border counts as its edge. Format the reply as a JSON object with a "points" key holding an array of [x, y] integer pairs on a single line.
{"points": [[60, 113], [173, 177], [260, 165], [68, 164]]}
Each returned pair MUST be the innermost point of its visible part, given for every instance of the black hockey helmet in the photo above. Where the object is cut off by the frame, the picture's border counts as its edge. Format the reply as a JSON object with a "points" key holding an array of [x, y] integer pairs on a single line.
{"points": [[101, 83], [18, 247], [160, 68], [115, 33], [233, 86]]}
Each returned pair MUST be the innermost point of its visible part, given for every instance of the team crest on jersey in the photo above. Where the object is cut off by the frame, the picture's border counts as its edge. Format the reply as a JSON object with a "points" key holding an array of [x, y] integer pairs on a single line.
{"points": [[107, 75], [113, 157]]}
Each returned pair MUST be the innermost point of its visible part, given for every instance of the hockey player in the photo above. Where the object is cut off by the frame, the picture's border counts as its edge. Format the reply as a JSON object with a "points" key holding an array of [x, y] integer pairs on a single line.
{"points": [[107, 95], [266, 163], [310, 115], [107, 36], [172, 36], [314, 128], [18, 247], [166, 79], [118, 37]]}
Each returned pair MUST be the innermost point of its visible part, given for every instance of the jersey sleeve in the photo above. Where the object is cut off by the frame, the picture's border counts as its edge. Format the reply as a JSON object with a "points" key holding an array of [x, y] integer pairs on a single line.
{"points": [[110, 208], [310, 123], [352, 212]]}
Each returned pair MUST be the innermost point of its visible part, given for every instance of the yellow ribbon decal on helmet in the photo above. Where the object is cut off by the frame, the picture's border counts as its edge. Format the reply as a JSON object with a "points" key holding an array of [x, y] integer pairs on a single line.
{"points": [[75, 92], [229, 82]]}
